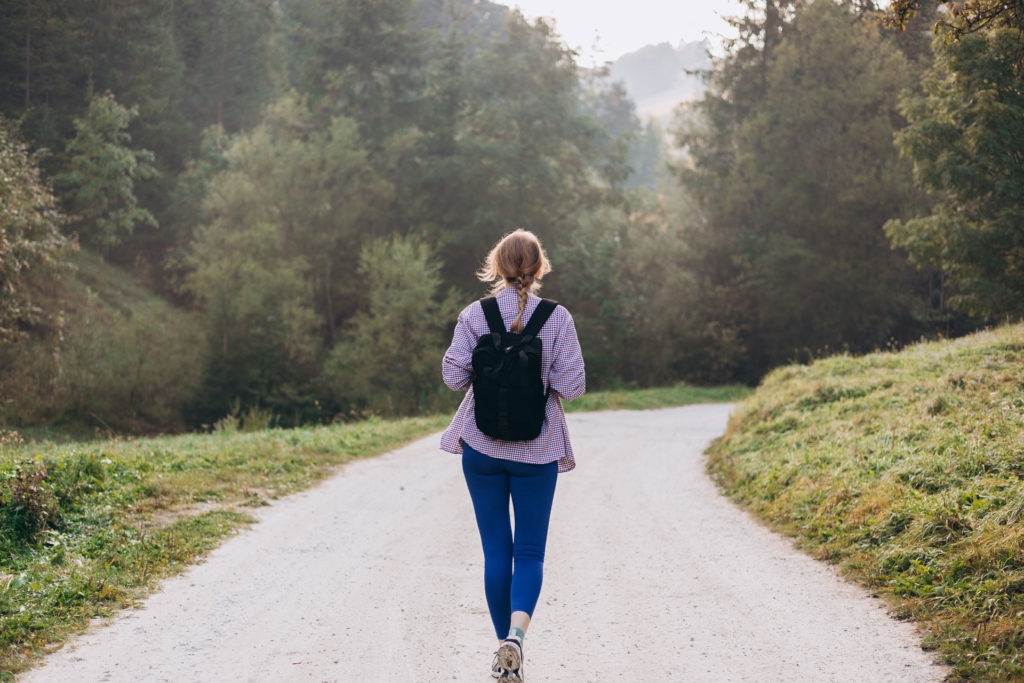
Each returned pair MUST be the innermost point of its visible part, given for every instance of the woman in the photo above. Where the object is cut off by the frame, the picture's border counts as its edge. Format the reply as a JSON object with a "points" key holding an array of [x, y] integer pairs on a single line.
{"points": [[526, 471]]}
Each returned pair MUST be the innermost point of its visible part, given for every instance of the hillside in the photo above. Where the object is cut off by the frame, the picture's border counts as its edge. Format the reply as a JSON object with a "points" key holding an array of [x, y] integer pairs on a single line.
{"points": [[905, 468], [114, 357], [656, 77]]}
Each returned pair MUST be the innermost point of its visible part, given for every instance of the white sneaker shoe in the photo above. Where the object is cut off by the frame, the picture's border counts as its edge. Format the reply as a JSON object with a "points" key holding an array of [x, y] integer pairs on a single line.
{"points": [[496, 666], [510, 658]]}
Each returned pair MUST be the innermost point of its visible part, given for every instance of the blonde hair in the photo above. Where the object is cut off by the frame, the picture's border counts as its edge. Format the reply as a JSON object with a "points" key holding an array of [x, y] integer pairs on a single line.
{"points": [[517, 260]]}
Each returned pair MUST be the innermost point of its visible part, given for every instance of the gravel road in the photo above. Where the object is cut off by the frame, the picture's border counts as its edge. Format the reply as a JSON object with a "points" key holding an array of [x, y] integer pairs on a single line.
{"points": [[377, 575]]}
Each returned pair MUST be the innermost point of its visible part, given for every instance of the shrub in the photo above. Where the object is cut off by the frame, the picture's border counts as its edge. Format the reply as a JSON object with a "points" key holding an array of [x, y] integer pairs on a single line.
{"points": [[26, 500]]}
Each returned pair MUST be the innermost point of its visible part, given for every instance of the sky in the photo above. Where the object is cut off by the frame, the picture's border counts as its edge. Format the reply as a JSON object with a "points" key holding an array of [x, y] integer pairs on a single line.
{"points": [[621, 26]]}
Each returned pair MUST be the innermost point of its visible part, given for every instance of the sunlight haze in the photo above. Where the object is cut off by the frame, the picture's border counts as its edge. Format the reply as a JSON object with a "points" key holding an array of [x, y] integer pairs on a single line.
{"points": [[604, 31]]}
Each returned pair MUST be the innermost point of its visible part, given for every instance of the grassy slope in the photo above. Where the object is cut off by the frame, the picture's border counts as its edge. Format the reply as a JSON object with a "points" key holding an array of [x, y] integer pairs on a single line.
{"points": [[905, 468], [126, 513], [123, 359]]}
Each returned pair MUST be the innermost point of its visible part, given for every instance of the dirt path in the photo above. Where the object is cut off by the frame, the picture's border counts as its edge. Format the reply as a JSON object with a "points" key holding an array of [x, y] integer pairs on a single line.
{"points": [[376, 575]]}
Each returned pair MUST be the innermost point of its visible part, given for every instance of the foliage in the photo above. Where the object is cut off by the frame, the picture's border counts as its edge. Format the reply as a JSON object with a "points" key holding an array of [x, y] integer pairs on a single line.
{"points": [[274, 268], [904, 468], [360, 59], [387, 361], [118, 357], [316, 186], [964, 138], [791, 163], [27, 503], [522, 151], [963, 17], [31, 244], [624, 276], [259, 320], [226, 51], [102, 173], [134, 511]]}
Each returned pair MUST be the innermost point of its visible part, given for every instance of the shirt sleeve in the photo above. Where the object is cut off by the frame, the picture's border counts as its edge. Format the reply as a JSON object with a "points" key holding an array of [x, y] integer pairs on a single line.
{"points": [[568, 375], [457, 364]]}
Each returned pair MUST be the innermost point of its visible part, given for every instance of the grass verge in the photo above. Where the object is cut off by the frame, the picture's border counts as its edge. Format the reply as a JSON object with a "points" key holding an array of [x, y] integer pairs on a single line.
{"points": [[905, 469], [656, 397], [88, 528]]}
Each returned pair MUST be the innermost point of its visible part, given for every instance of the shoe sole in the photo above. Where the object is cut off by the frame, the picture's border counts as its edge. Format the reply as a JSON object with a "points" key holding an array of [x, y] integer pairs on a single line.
{"points": [[509, 657]]}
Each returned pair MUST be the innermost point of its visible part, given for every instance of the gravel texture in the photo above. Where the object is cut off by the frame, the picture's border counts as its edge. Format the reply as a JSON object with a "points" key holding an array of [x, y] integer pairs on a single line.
{"points": [[377, 575]]}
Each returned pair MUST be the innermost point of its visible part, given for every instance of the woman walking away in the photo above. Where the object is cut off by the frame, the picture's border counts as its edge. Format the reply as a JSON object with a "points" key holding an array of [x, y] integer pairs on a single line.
{"points": [[517, 356]]}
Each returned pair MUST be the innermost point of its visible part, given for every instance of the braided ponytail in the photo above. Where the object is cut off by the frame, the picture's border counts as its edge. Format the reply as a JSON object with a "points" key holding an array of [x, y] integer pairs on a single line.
{"points": [[523, 284]]}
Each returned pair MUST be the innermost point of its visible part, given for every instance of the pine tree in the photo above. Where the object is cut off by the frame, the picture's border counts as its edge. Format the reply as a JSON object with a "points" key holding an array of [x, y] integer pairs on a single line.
{"points": [[102, 173], [966, 140]]}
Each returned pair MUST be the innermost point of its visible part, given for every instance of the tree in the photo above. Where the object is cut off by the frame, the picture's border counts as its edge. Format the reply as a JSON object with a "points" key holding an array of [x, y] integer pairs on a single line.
{"points": [[259, 320], [226, 51], [102, 173], [966, 140], [795, 175], [317, 186], [360, 59], [31, 244], [387, 361], [526, 153], [963, 17]]}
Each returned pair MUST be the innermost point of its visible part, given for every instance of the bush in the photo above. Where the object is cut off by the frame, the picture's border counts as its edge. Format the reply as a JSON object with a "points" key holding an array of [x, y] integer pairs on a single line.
{"points": [[27, 503], [118, 358], [30, 239]]}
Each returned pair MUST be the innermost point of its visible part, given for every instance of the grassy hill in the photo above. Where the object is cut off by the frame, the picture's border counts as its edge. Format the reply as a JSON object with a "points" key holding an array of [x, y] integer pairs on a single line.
{"points": [[114, 356], [905, 468]]}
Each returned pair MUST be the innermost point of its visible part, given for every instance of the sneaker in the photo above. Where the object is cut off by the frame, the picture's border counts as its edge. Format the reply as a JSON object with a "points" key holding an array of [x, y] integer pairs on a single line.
{"points": [[496, 669], [510, 658]]}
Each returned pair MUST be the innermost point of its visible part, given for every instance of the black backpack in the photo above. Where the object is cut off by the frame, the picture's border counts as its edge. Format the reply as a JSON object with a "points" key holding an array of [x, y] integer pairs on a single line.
{"points": [[507, 386]]}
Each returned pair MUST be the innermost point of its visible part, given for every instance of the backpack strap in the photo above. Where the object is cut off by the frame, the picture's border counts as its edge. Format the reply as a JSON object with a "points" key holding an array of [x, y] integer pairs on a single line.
{"points": [[493, 315], [539, 316]]}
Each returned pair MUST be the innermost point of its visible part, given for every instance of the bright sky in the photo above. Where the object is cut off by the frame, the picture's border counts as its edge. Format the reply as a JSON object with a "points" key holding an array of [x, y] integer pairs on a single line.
{"points": [[615, 27]]}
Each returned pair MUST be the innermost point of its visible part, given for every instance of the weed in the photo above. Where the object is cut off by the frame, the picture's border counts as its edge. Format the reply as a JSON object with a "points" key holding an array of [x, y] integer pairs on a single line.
{"points": [[27, 503]]}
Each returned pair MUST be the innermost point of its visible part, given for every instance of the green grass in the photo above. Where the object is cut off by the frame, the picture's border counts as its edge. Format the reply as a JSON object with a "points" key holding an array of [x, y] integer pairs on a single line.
{"points": [[87, 528], [905, 469], [656, 397]]}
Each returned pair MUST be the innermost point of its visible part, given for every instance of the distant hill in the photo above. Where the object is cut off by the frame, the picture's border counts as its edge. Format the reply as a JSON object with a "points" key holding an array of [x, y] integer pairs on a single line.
{"points": [[656, 76]]}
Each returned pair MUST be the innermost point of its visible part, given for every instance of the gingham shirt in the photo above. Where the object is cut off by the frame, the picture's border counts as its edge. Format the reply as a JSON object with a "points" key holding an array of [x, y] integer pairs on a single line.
{"points": [[561, 369]]}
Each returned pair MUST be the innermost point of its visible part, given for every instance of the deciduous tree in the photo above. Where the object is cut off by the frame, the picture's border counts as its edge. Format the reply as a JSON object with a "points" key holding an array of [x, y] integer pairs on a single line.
{"points": [[31, 243]]}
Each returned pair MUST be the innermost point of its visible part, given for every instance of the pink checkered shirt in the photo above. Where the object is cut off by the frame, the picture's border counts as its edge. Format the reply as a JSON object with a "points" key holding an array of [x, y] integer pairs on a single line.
{"points": [[562, 370]]}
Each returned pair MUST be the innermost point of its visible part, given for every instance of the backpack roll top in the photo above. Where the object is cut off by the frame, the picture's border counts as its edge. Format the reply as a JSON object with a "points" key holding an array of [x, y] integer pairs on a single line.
{"points": [[508, 387]]}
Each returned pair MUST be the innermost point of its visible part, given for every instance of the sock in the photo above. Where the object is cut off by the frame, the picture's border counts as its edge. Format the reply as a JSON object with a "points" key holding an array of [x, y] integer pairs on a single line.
{"points": [[517, 633]]}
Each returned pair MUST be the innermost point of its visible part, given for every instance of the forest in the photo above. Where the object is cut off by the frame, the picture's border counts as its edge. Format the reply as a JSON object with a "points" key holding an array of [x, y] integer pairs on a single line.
{"points": [[269, 212]]}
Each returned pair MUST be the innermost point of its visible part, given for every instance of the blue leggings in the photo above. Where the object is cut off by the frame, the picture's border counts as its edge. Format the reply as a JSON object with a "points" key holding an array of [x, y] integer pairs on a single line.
{"points": [[491, 481]]}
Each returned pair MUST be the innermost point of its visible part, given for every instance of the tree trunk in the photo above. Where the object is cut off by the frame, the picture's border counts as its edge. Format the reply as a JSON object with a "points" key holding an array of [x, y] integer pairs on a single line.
{"points": [[329, 300], [28, 53]]}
